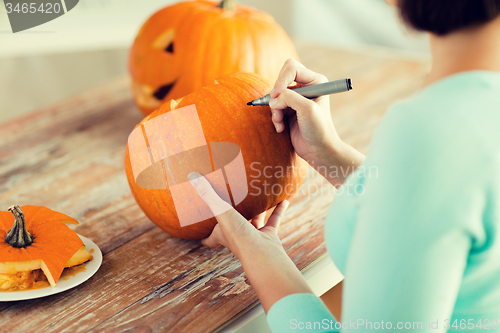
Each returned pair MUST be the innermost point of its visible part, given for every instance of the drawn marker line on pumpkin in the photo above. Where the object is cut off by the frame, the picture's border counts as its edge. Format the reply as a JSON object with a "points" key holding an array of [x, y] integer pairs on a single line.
{"points": [[165, 149], [166, 164]]}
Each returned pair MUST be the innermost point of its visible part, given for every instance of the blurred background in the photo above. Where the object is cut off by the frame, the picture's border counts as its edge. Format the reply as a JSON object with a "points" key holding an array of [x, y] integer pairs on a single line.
{"points": [[89, 45]]}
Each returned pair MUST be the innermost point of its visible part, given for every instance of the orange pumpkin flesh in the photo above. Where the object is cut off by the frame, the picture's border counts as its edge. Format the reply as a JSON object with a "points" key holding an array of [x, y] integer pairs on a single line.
{"points": [[225, 117], [53, 246], [185, 46]]}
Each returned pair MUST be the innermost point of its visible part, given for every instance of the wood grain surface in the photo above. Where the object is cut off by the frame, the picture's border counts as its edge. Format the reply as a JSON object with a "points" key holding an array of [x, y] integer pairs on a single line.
{"points": [[69, 157]]}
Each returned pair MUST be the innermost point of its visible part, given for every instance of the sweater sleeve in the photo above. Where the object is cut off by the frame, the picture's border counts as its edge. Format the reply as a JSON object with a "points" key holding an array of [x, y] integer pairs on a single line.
{"points": [[418, 218], [300, 312]]}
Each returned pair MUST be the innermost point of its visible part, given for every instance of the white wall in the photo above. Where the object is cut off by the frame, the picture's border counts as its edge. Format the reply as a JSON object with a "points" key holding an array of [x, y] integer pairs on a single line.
{"points": [[350, 23]]}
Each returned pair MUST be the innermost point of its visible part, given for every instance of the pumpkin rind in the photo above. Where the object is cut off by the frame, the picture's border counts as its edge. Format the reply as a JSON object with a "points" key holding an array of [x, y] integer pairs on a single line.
{"points": [[204, 42], [225, 117]]}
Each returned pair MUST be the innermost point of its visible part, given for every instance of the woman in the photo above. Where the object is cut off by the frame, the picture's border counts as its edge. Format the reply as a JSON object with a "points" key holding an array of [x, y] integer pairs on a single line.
{"points": [[421, 242]]}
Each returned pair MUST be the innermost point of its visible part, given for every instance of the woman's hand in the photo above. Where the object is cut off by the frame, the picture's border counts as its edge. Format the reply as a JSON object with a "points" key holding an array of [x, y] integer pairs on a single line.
{"points": [[233, 230], [311, 126], [266, 232], [271, 272], [312, 131]]}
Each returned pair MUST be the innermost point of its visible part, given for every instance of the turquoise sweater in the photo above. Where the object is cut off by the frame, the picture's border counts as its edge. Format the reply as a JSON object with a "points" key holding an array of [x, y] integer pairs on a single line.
{"points": [[416, 229]]}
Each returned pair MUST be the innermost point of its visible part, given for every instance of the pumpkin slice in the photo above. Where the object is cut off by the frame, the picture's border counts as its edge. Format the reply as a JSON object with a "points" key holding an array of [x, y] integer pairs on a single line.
{"points": [[81, 256], [34, 237]]}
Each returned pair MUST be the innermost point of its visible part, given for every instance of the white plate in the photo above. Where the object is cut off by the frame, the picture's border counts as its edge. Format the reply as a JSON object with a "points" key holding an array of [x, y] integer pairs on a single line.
{"points": [[69, 282]]}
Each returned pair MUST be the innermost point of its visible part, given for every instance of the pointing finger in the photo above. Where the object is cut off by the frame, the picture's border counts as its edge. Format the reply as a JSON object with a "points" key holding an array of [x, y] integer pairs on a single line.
{"points": [[275, 219], [208, 194], [226, 215]]}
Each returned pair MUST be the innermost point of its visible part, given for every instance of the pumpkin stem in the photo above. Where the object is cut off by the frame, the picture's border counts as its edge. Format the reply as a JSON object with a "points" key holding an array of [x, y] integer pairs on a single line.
{"points": [[18, 236], [226, 4]]}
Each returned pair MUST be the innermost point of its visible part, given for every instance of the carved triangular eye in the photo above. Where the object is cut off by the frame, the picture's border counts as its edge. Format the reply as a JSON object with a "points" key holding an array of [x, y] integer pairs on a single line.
{"points": [[170, 48], [165, 41]]}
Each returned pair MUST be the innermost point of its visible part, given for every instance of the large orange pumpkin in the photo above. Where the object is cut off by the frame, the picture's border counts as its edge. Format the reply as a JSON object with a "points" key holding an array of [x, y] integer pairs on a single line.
{"points": [[184, 47], [272, 171]]}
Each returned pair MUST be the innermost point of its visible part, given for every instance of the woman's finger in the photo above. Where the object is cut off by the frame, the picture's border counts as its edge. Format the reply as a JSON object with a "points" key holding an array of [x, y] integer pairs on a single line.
{"points": [[277, 119], [226, 215], [290, 101], [259, 221], [211, 241], [208, 194], [294, 71], [277, 116], [275, 219]]}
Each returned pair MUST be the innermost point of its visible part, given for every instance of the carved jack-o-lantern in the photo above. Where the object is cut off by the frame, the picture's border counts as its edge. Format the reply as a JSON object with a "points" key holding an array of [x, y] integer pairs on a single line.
{"points": [[184, 47]]}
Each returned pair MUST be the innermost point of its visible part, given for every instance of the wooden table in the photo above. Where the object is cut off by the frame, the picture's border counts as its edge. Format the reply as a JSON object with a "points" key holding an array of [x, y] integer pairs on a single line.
{"points": [[69, 157]]}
